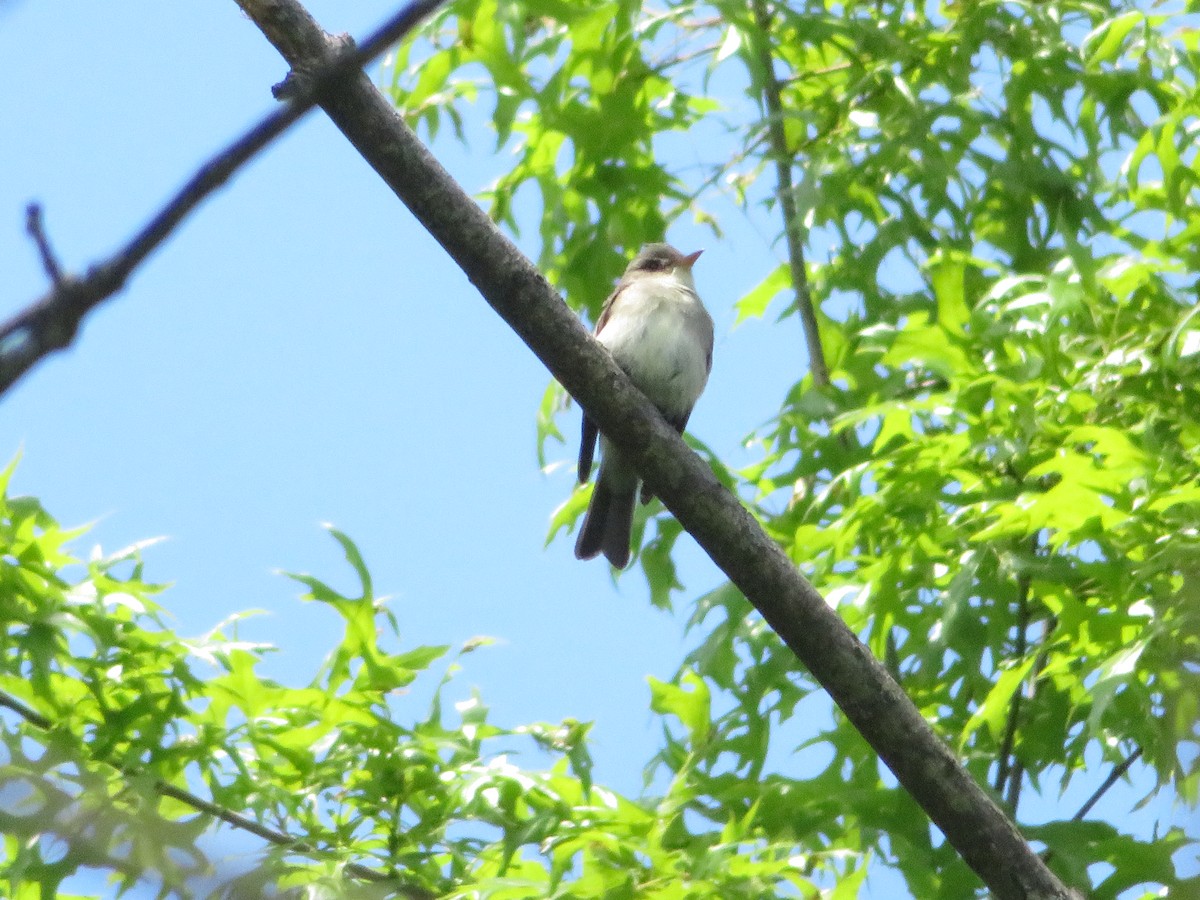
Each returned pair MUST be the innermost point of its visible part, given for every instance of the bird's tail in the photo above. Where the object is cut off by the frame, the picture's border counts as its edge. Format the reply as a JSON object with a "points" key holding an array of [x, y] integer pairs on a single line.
{"points": [[608, 523]]}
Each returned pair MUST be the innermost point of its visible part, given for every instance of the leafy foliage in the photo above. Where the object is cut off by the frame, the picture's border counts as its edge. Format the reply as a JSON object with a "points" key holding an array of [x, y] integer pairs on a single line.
{"points": [[997, 487], [122, 755], [598, 101], [998, 484]]}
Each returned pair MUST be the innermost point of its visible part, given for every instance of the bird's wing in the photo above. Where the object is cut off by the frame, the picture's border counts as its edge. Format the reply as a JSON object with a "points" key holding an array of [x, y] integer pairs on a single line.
{"points": [[606, 310], [587, 440], [587, 448]]}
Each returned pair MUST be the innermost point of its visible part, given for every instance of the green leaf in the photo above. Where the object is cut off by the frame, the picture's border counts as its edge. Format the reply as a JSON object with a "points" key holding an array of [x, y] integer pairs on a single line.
{"points": [[1105, 42], [755, 303], [948, 275], [996, 708], [688, 701]]}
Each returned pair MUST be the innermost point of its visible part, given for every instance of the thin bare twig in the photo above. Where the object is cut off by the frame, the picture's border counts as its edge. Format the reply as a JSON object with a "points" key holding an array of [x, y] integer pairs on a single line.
{"points": [[33, 225], [793, 230], [51, 323], [1005, 757], [228, 816], [30, 715], [1114, 776]]}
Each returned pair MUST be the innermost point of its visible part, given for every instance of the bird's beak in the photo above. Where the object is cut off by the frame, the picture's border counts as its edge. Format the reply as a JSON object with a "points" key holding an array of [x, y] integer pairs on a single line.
{"points": [[690, 259]]}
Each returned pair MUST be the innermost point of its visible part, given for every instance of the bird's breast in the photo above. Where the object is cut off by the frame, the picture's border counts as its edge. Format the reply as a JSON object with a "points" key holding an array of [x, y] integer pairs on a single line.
{"points": [[660, 334]]}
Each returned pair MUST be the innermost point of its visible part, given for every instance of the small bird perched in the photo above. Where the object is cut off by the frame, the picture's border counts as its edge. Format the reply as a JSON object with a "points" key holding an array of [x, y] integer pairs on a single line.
{"points": [[659, 332]]}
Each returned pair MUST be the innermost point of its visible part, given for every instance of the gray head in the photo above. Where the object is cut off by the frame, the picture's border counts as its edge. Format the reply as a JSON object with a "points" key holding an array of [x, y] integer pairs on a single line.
{"points": [[661, 258]]}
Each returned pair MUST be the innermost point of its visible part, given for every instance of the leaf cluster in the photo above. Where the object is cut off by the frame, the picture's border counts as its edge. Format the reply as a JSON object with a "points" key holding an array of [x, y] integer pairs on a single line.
{"points": [[997, 487], [125, 745]]}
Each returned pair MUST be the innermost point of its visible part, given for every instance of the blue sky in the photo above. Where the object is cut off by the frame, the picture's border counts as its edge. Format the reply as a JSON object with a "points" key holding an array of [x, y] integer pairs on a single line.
{"points": [[302, 352]]}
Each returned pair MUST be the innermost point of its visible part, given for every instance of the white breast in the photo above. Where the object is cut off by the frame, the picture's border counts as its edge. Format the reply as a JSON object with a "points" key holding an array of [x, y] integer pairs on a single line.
{"points": [[660, 334]]}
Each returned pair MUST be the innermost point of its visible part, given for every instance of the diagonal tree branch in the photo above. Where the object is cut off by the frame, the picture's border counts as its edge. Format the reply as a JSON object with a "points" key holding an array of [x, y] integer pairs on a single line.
{"points": [[52, 322], [514, 288]]}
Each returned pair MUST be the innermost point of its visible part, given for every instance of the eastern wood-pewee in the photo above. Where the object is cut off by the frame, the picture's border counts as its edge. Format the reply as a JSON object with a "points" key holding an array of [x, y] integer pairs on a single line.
{"points": [[659, 332]]}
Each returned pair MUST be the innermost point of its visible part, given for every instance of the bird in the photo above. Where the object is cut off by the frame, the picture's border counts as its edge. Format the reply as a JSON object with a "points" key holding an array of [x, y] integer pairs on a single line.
{"points": [[658, 331]]}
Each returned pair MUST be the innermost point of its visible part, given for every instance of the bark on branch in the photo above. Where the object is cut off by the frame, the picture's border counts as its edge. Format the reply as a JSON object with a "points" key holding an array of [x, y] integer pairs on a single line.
{"points": [[515, 289]]}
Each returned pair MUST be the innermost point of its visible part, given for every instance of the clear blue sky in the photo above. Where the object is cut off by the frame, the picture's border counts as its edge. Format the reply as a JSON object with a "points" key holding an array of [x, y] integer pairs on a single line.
{"points": [[302, 352]]}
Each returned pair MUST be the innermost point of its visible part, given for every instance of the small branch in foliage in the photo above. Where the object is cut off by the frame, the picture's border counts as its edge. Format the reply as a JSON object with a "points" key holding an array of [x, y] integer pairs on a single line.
{"points": [[30, 715], [786, 193], [717, 174], [1005, 760], [817, 73], [1114, 776], [52, 322], [1010, 771], [1032, 687], [1016, 781], [669, 62], [228, 816]]}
